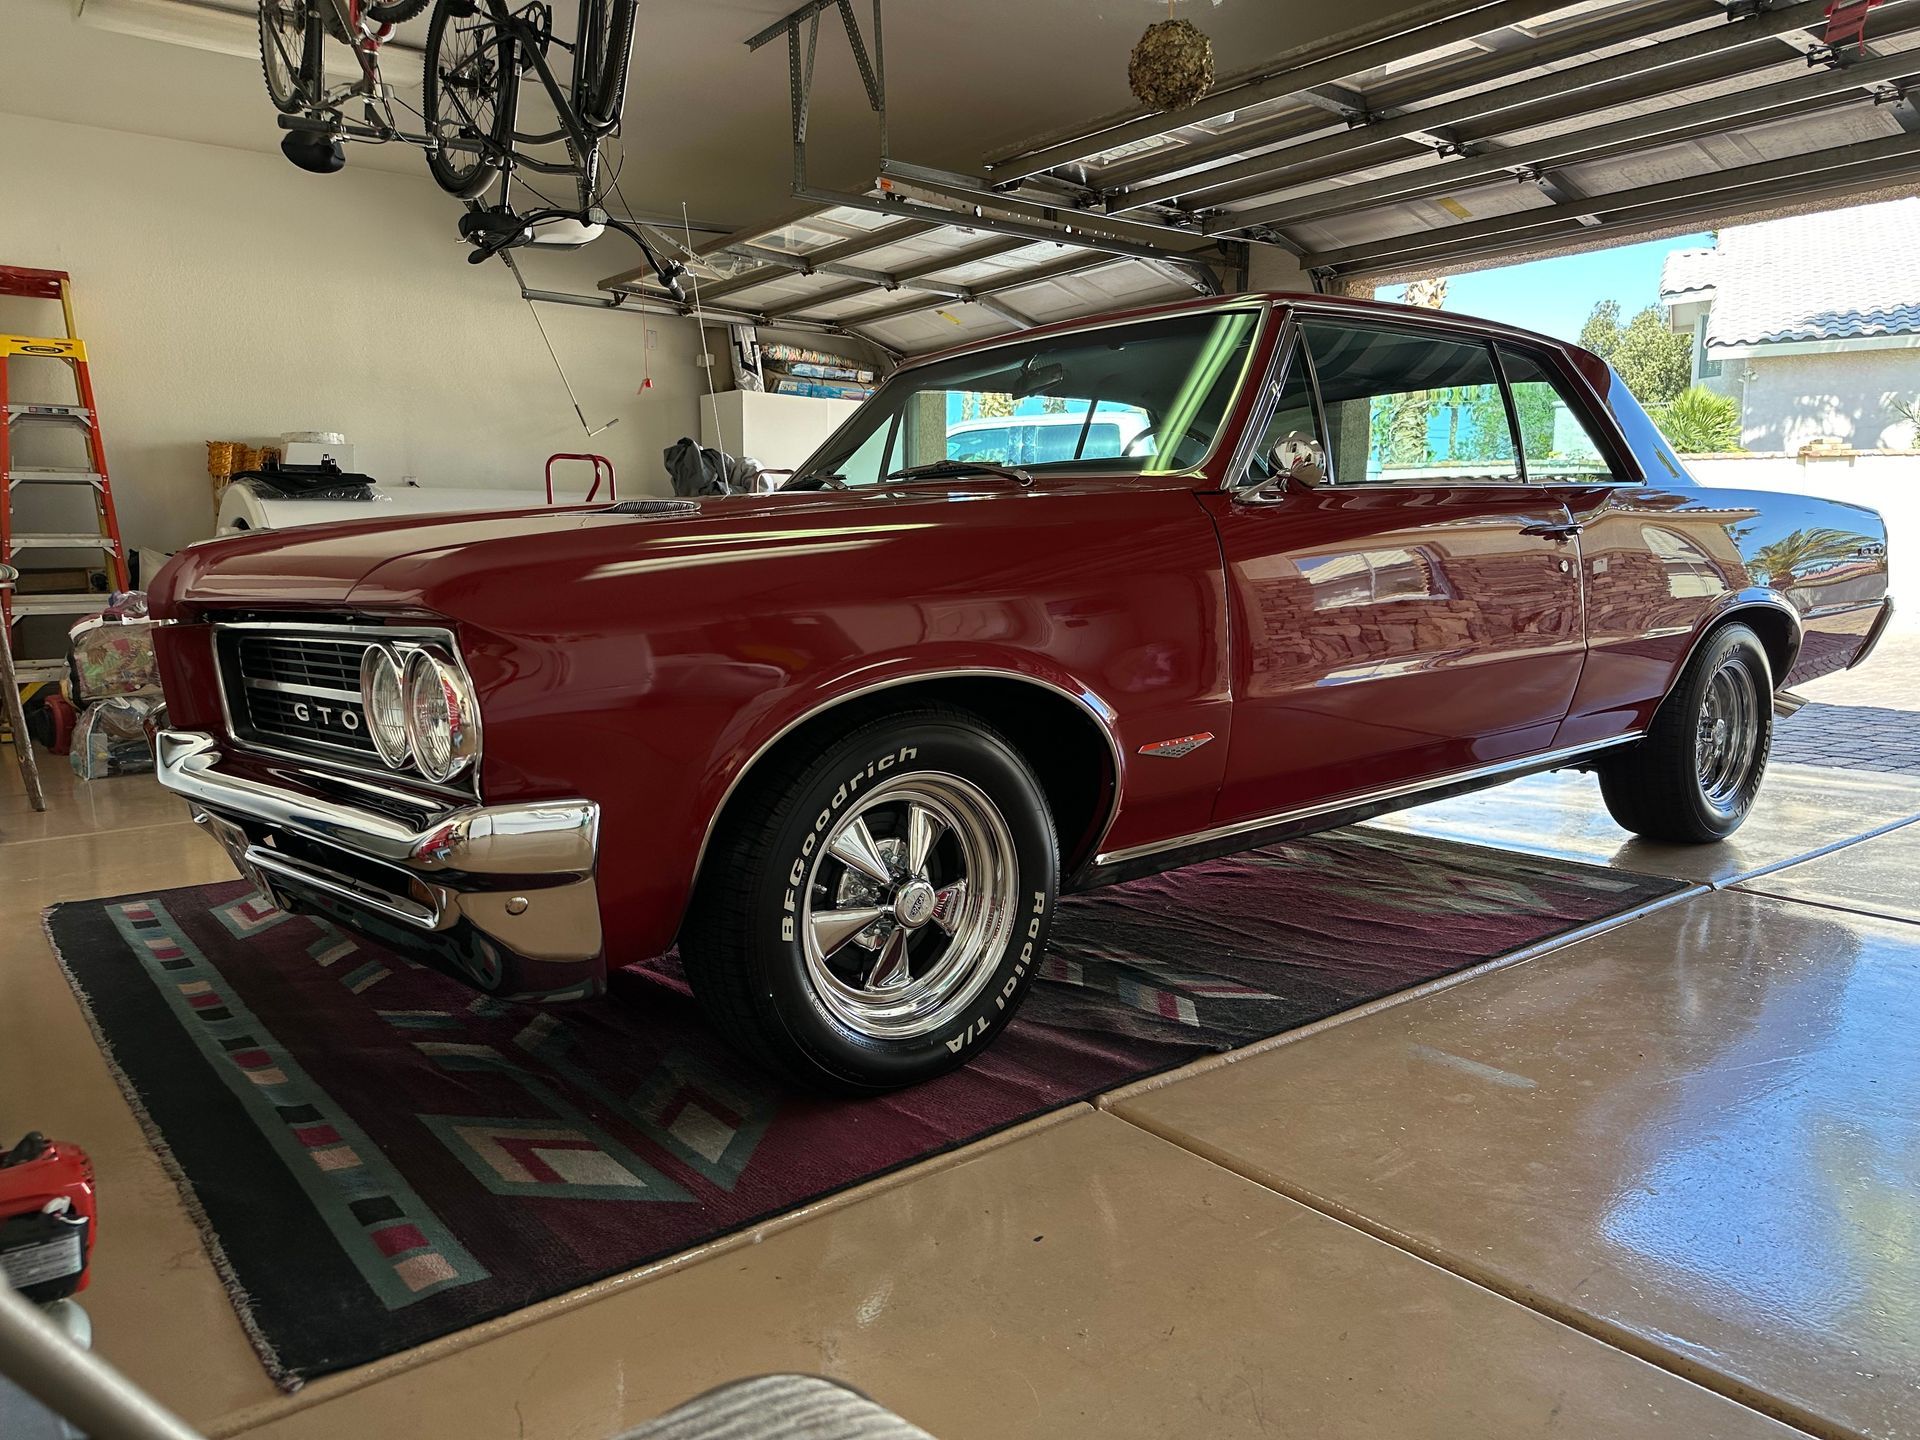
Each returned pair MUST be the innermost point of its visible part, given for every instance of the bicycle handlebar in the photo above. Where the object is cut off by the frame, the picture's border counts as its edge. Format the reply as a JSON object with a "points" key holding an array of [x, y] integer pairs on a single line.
{"points": [[491, 231]]}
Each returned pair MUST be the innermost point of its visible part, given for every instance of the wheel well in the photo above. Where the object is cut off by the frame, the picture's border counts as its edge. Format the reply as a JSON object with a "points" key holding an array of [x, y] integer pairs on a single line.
{"points": [[1061, 742], [1777, 634]]}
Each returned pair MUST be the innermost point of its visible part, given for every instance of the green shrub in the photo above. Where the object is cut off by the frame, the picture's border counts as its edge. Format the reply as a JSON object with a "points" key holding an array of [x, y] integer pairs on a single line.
{"points": [[1699, 421]]}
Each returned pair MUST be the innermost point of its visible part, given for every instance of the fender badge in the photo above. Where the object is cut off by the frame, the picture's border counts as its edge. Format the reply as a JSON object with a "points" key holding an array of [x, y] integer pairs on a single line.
{"points": [[1174, 749]]}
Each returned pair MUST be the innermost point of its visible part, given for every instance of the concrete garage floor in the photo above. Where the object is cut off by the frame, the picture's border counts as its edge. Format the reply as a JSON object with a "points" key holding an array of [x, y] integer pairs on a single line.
{"points": [[1664, 1180]]}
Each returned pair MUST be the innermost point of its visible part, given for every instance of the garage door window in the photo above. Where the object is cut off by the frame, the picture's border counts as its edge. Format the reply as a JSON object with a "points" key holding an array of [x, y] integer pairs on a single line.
{"points": [[1411, 406], [1554, 436]]}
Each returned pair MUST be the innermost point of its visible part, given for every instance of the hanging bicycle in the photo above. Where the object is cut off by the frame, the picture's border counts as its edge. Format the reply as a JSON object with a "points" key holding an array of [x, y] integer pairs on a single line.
{"points": [[477, 54]]}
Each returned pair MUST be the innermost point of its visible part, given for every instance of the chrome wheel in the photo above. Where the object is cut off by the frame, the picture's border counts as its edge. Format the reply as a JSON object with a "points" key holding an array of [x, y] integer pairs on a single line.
{"points": [[1727, 740], [909, 905]]}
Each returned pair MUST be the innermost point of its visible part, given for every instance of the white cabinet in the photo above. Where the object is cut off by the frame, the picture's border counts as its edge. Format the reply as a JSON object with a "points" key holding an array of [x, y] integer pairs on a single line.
{"points": [[777, 430]]}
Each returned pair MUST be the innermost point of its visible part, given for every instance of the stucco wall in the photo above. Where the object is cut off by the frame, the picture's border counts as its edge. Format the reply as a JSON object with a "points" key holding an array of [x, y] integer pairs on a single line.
{"points": [[1787, 400]]}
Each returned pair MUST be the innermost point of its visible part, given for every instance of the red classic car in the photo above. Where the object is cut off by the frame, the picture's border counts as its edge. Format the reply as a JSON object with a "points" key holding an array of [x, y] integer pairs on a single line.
{"points": [[1299, 561]]}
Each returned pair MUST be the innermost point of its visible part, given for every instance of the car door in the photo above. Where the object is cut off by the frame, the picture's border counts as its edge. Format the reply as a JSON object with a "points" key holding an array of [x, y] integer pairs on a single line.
{"points": [[1405, 605]]}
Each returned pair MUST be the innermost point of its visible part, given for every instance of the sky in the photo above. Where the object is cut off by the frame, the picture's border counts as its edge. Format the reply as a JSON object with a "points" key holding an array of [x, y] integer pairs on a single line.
{"points": [[1556, 296]]}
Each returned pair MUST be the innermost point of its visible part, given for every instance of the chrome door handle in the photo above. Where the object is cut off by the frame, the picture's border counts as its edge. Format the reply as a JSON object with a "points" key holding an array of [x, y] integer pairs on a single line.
{"points": [[1554, 529]]}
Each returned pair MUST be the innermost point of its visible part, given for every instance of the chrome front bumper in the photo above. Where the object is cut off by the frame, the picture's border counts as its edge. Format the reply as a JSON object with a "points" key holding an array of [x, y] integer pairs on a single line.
{"points": [[501, 896]]}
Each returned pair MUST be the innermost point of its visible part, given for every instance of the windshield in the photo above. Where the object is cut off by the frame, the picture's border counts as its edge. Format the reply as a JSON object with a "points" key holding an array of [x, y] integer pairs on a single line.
{"points": [[1124, 398]]}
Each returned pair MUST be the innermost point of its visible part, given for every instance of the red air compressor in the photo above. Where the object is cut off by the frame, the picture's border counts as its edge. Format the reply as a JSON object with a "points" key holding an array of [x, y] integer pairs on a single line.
{"points": [[46, 1218]]}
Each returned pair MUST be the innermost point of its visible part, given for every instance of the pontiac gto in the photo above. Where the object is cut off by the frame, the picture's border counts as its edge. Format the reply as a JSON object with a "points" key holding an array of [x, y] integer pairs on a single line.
{"points": [[1269, 564]]}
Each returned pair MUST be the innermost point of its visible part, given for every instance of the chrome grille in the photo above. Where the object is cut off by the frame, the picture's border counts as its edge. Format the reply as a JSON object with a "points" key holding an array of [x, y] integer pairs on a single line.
{"points": [[302, 688]]}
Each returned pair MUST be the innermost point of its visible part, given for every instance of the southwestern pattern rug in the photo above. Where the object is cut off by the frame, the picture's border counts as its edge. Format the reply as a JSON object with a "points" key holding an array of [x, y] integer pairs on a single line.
{"points": [[376, 1155]]}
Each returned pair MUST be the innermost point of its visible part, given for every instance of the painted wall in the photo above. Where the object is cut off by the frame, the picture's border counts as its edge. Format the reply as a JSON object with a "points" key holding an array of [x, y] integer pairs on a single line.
{"points": [[226, 295], [1787, 400], [1888, 483]]}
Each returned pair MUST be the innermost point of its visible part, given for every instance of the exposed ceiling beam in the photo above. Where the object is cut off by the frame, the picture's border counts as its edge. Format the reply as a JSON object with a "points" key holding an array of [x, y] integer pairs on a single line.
{"points": [[1645, 204], [1195, 189], [910, 278], [1326, 69], [1624, 136], [784, 265], [1058, 270], [1423, 86], [1065, 233]]}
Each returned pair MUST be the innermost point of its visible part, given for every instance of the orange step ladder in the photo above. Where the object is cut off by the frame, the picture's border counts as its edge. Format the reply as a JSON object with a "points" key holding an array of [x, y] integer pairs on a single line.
{"points": [[17, 546]]}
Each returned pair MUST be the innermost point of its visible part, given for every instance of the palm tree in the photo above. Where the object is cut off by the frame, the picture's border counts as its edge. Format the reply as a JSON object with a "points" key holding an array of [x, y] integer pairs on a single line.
{"points": [[1775, 564]]}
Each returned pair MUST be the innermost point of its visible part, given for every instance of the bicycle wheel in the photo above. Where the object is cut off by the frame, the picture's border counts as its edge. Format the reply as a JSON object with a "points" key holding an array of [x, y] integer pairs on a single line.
{"points": [[606, 72], [289, 53], [398, 12], [466, 96]]}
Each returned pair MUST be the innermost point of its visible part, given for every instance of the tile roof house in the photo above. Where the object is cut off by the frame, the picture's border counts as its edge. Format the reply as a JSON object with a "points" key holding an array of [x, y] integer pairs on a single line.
{"points": [[1811, 322]]}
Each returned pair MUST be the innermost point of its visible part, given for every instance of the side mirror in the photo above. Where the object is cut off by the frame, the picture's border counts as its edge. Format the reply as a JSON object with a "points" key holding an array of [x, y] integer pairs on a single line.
{"points": [[1301, 459], [1295, 460]]}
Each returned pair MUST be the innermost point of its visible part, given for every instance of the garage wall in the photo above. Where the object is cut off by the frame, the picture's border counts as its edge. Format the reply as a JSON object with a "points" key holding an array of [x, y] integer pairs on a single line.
{"points": [[226, 295]]}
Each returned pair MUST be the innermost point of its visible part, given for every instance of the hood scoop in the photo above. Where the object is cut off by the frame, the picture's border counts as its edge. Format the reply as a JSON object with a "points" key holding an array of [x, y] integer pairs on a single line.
{"points": [[655, 508]]}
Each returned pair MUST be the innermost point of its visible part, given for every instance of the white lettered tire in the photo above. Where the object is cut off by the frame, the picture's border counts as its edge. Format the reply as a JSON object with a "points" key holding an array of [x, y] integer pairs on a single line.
{"points": [[871, 914]]}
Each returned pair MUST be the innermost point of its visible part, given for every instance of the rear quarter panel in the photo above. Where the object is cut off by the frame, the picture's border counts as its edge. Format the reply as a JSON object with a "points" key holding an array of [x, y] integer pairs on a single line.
{"points": [[1664, 564]]}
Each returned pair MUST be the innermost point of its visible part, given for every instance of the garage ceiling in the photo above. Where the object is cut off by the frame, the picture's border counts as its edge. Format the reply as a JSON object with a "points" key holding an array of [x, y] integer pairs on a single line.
{"points": [[1512, 126]]}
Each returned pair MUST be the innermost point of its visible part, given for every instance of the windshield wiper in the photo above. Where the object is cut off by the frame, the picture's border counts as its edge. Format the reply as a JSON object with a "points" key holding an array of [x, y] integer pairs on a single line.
{"points": [[817, 480], [945, 469]]}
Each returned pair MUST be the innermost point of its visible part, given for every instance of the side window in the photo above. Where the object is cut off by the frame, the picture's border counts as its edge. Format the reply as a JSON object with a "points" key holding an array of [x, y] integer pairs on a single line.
{"points": [[1294, 426], [1410, 406], [1554, 436]]}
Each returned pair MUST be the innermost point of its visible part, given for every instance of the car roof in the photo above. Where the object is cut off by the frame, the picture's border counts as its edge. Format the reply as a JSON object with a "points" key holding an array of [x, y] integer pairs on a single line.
{"points": [[1594, 368]]}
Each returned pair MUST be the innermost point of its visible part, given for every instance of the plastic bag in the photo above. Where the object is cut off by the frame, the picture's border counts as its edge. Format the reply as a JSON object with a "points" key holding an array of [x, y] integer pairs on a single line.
{"points": [[112, 656], [111, 738]]}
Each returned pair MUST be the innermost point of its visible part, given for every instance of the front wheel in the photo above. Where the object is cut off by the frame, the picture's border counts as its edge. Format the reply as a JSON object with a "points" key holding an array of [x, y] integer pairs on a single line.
{"points": [[871, 914], [1693, 778], [466, 96], [290, 54]]}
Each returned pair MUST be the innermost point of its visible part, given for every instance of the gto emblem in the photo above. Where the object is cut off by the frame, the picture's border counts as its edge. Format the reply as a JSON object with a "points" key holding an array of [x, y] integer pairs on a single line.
{"points": [[1174, 749], [327, 717]]}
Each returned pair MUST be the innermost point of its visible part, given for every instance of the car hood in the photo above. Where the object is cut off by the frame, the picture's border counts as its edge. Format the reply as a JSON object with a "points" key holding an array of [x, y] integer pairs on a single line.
{"points": [[423, 562]]}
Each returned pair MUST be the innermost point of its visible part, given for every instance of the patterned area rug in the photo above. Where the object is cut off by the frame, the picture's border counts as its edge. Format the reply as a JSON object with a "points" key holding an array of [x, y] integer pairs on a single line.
{"points": [[377, 1155]]}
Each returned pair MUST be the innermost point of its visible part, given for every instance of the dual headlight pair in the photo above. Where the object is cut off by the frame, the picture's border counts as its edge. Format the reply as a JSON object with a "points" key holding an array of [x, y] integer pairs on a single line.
{"points": [[419, 705]]}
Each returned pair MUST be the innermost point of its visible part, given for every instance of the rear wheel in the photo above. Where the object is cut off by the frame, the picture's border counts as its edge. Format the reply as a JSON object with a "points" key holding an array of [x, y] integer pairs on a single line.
{"points": [[464, 97], [871, 914], [289, 53], [1695, 775]]}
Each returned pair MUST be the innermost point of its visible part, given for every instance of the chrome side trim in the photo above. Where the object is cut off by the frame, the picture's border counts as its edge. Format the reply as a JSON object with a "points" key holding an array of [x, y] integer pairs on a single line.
{"points": [[1101, 713], [1539, 760]]}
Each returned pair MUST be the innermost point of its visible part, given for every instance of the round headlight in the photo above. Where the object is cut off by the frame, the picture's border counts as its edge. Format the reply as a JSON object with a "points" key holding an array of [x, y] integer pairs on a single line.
{"points": [[443, 725], [383, 697]]}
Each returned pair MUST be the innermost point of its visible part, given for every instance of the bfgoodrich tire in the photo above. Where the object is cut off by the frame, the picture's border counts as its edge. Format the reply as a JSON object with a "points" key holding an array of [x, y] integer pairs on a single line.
{"points": [[1694, 777], [871, 913]]}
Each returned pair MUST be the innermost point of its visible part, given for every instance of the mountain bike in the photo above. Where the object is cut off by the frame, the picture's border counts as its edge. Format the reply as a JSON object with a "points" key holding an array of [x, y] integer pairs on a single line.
{"points": [[478, 51]]}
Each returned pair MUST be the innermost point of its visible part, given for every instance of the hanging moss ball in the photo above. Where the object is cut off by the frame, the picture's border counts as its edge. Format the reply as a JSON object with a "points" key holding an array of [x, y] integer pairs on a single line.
{"points": [[1172, 66]]}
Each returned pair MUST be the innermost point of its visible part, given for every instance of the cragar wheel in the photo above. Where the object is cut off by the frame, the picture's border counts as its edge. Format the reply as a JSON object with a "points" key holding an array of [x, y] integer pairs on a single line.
{"points": [[1694, 777], [871, 914]]}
